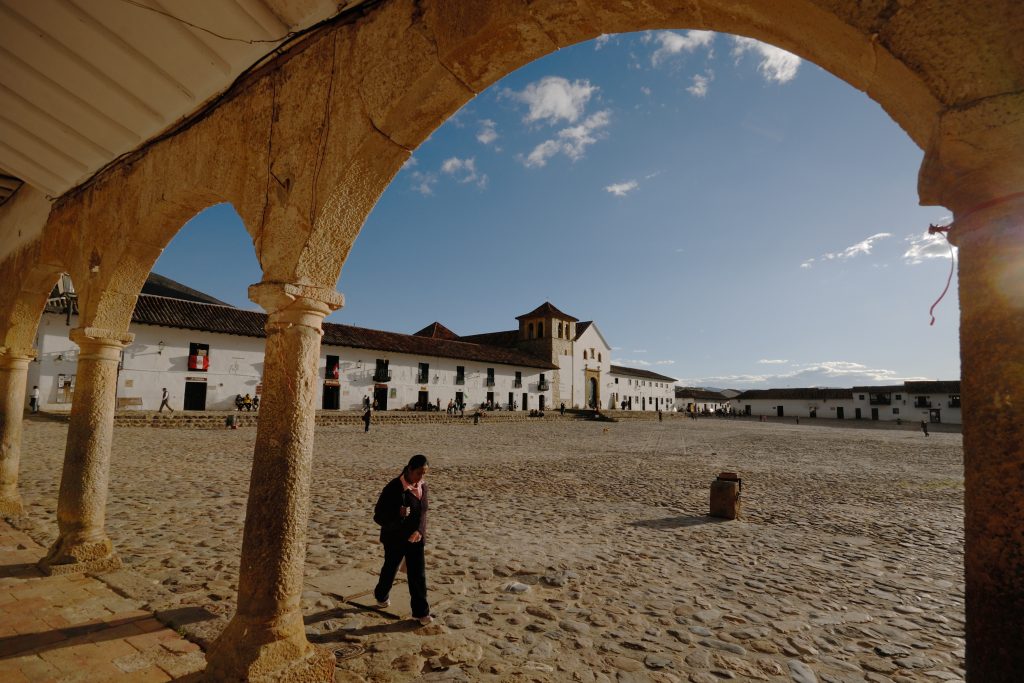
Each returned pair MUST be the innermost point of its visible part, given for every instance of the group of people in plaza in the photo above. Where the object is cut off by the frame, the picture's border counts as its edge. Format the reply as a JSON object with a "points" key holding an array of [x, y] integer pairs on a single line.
{"points": [[247, 402]]}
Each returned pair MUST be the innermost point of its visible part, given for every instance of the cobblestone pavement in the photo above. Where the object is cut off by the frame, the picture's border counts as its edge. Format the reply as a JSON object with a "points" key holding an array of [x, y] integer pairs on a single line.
{"points": [[577, 550]]}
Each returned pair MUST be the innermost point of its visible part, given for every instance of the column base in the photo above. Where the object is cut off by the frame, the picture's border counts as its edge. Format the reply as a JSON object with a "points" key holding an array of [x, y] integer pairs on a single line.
{"points": [[11, 506], [258, 652], [68, 557]]}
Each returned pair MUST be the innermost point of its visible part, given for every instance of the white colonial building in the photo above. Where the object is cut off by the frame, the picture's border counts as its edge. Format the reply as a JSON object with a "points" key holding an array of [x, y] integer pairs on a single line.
{"points": [[933, 402], [697, 400], [207, 353]]}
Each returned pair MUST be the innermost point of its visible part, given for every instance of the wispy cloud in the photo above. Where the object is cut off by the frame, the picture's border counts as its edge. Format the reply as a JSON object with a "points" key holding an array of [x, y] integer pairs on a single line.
{"points": [[423, 182], [860, 248], [488, 131], [776, 64], [664, 362], [631, 361], [553, 99], [925, 247], [572, 141], [769, 361], [671, 43], [464, 171], [639, 350], [701, 83], [601, 41], [622, 189]]}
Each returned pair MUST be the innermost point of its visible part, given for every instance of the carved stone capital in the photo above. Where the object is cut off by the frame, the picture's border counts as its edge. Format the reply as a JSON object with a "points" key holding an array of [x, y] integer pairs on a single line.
{"points": [[975, 153], [14, 357], [288, 304]]}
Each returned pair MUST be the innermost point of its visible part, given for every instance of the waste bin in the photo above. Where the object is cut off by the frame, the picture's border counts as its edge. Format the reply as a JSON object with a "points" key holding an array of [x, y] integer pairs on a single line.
{"points": [[725, 495]]}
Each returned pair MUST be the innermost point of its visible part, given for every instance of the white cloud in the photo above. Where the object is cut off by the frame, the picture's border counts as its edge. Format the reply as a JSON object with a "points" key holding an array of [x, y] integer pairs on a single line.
{"points": [[464, 171], [601, 41], [572, 141], [622, 189], [821, 374], [628, 361], [863, 247], [411, 162], [671, 43], [767, 361], [925, 247], [645, 90], [553, 99], [488, 132], [664, 362], [423, 183], [700, 84], [776, 64], [639, 350]]}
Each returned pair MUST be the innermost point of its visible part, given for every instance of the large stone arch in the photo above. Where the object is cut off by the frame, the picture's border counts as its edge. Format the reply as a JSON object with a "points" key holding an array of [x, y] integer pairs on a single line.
{"points": [[414, 64], [304, 146]]}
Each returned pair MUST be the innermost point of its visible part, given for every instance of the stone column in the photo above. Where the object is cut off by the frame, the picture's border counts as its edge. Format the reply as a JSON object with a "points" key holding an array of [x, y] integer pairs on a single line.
{"points": [[991, 242], [266, 639], [13, 376], [83, 544]]}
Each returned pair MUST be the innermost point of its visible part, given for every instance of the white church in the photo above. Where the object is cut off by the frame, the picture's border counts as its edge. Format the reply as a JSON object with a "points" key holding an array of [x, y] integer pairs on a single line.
{"points": [[206, 353]]}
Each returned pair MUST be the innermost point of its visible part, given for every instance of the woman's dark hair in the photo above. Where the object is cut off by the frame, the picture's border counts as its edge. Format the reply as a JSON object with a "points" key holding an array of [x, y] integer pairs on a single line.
{"points": [[415, 462]]}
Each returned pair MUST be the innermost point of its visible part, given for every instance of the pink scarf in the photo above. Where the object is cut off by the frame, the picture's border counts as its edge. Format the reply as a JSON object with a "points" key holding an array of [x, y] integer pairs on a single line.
{"points": [[417, 488]]}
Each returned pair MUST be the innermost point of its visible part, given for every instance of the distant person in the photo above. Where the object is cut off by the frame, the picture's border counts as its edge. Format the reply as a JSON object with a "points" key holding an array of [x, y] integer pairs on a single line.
{"points": [[165, 401], [366, 420], [401, 512], [659, 414], [366, 401], [924, 427], [33, 400], [561, 408]]}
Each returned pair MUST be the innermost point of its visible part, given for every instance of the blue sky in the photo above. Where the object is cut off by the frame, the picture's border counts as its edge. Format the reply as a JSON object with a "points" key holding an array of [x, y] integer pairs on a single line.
{"points": [[729, 216]]}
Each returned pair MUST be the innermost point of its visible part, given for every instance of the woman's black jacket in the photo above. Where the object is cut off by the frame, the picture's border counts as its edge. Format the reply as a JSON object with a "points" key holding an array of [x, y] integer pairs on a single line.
{"points": [[387, 513]]}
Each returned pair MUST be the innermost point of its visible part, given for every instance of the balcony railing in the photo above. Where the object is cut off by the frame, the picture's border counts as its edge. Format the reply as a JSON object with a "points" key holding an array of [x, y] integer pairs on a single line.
{"points": [[921, 402], [422, 379], [954, 403], [879, 400], [460, 379], [517, 384], [382, 376], [489, 382], [543, 386]]}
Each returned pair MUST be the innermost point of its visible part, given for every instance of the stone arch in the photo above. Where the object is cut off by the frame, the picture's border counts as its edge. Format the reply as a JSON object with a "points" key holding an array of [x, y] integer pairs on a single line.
{"points": [[414, 64], [109, 276]]}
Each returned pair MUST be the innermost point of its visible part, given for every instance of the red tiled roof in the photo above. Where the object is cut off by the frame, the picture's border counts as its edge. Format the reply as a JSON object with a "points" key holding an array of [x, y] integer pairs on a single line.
{"points": [[508, 338], [809, 394], [646, 374], [700, 394], [546, 310], [436, 330], [937, 387], [165, 312]]}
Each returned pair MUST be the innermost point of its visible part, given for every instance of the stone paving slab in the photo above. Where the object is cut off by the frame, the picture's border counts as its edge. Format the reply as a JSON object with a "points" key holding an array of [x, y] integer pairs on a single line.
{"points": [[75, 628]]}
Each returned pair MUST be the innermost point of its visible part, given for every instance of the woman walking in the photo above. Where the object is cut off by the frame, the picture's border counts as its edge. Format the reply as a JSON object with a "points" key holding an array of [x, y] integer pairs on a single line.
{"points": [[401, 512]]}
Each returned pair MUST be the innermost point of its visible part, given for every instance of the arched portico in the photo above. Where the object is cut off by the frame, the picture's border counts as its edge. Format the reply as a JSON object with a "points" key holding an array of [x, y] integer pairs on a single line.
{"points": [[304, 147]]}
